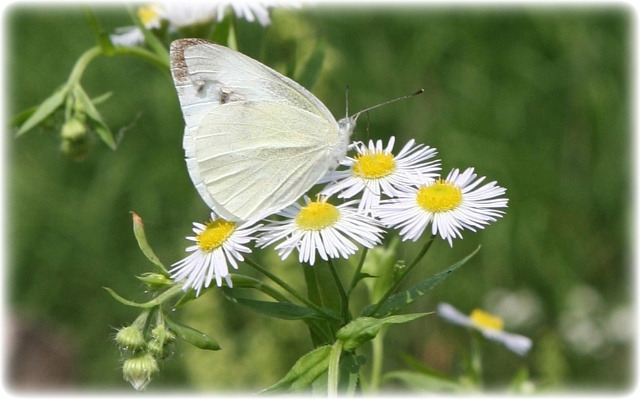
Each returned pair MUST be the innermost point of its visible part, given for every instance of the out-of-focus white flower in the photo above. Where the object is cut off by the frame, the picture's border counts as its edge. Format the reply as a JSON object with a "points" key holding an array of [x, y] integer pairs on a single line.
{"points": [[489, 325]]}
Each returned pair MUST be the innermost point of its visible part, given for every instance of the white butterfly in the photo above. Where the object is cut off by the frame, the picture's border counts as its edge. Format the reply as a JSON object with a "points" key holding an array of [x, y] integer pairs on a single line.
{"points": [[255, 140]]}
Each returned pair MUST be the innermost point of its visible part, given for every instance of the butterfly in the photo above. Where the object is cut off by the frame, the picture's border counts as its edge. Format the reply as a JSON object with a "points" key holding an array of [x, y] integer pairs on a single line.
{"points": [[254, 140]]}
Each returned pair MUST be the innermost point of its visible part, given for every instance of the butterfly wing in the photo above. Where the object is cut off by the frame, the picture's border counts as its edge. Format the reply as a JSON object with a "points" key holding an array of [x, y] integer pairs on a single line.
{"points": [[254, 139], [256, 158]]}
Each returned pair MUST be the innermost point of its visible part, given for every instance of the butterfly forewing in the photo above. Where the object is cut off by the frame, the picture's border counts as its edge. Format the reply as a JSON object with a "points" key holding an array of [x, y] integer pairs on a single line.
{"points": [[255, 140]]}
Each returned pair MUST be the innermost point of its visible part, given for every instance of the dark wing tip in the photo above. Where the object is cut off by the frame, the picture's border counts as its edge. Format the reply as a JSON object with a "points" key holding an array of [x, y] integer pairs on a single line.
{"points": [[178, 65]]}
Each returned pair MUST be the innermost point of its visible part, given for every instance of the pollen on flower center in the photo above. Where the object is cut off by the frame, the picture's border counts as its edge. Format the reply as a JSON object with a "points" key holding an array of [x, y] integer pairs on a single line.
{"points": [[483, 319], [374, 166], [317, 216], [216, 233], [441, 196], [147, 14]]}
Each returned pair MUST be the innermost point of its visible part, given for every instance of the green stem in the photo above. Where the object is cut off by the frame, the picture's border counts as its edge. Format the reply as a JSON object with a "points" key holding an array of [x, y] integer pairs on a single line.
{"points": [[376, 362], [343, 295], [89, 55], [475, 362], [289, 289], [356, 276], [81, 65], [403, 274]]}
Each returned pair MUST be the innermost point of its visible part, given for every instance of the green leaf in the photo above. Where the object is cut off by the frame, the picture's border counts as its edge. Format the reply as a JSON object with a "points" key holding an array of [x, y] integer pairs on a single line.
{"points": [[306, 370], [311, 69], [102, 38], [400, 300], [102, 98], [425, 382], [101, 129], [46, 108], [192, 336], [138, 232], [280, 310], [364, 329]]}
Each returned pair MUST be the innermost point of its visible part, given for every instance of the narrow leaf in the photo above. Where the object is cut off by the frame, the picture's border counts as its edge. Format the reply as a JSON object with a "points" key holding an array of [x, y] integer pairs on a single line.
{"points": [[138, 232], [400, 300], [46, 108], [102, 129], [280, 310], [192, 336], [102, 38], [306, 370], [364, 329]]}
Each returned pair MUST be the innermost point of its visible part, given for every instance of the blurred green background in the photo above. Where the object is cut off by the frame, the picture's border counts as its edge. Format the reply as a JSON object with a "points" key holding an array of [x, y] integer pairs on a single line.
{"points": [[538, 99]]}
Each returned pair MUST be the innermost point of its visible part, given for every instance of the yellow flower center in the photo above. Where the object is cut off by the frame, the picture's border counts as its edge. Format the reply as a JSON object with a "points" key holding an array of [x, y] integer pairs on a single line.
{"points": [[216, 233], [374, 166], [148, 14], [486, 320], [441, 196], [317, 216]]}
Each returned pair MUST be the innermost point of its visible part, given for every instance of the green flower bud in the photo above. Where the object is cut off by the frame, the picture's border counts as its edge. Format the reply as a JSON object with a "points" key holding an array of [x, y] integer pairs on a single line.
{"points": [[75, 141], [138, 370], [163, 334], [155, 348], [130, 338], [156, 281]]}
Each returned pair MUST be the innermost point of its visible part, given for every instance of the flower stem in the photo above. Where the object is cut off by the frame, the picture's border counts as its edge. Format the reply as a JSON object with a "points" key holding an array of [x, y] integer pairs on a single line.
{"points": [[356, 275], [346, 315], [402, 275], [289, 289], [376, 362]]}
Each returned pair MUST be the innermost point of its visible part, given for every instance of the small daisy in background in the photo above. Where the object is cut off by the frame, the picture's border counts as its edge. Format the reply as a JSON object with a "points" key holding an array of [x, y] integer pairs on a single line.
{"points": [[489, 325], [374, 171], [331, 231], [218, 244], [450, 205]]}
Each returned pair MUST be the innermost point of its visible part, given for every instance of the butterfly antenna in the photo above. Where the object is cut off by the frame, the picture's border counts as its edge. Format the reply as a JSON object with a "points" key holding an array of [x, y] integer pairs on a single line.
{"points": [[387, 102], [346, 101]]}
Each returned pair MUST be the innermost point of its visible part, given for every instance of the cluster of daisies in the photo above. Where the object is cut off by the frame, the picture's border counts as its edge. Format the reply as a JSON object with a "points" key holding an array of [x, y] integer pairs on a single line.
{"points": [[373, 190]]}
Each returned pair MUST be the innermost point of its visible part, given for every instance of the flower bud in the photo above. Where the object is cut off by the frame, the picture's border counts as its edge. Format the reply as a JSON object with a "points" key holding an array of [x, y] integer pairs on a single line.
{"points": [[139, 369], [163, 334], [130, 338], [75, 142], [156, 281], [155, 348]]}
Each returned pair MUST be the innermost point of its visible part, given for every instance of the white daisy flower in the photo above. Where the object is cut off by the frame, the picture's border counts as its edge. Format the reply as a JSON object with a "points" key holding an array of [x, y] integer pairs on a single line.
{"points": [[218, 244], [450, 205], [179, 14], [331, 231], [489, 325], [375, 171], [150, 15], [252, 10]]}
